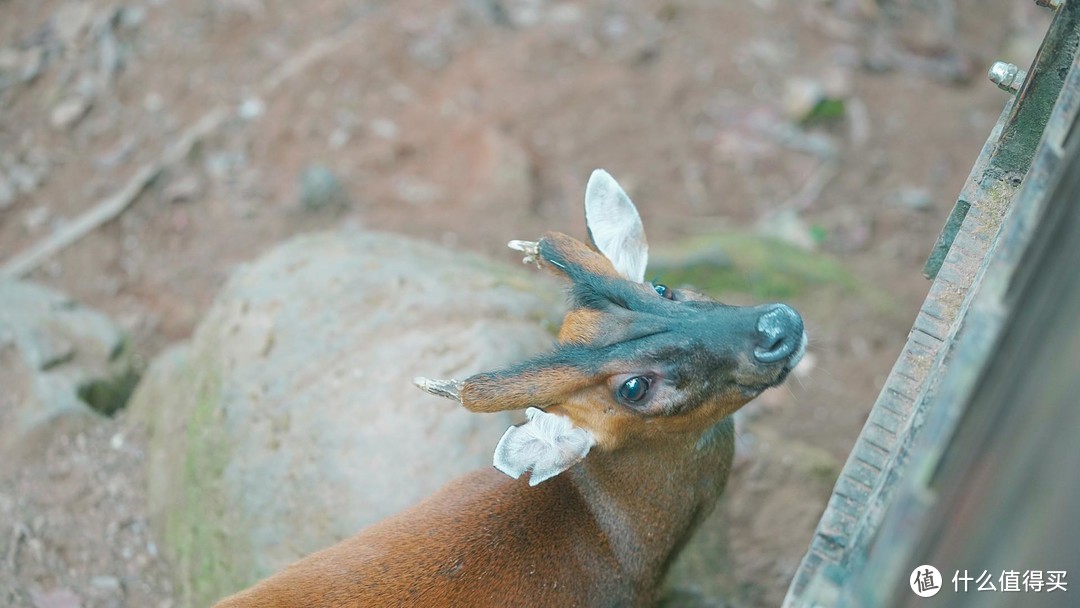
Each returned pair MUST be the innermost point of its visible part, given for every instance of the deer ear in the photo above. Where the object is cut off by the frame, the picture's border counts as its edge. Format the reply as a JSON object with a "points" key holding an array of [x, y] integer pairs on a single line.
{"points": [[615, 227], [547, 445]]}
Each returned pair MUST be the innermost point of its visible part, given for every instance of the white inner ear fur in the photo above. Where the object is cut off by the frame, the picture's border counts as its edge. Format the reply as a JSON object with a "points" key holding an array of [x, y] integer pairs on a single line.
{"points": [[615, 226], [547, 445]]}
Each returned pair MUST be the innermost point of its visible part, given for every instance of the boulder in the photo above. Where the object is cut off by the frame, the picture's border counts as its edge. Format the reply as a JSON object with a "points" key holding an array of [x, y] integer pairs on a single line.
{"points": [[290, 420], [59, 363]]}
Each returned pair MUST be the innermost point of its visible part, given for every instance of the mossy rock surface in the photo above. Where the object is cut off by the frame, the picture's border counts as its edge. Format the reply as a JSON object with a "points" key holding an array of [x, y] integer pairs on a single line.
{"points": [[290, 421], [61, 363], [762, 267]]}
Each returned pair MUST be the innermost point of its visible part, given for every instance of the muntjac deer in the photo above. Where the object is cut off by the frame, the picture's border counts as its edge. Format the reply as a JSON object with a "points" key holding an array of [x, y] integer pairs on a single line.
{"points": [[627, 446]]}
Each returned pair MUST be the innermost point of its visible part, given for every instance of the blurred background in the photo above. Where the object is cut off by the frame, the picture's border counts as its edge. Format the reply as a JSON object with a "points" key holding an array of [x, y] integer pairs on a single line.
{"points": [[799, 151]]}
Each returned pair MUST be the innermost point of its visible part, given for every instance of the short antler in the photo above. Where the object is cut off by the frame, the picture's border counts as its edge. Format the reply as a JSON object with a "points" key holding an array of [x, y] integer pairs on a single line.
{"points": [[451, 389]]}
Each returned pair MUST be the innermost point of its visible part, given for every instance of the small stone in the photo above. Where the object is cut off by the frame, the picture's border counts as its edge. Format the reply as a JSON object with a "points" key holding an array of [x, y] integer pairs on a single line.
{"points": [[836, 82], [110, 57], [153, 103], [116, 442], [789, 227], [107, 583], [915, 199], [491, 10], [32, 64], [9, 60], [69, 112], [384, 128], [7, 193], [183, 189], [24, 179], [71, 20], [252, 108], [801, 97], [321, 189], [225, 163], [56, 598], [430, 51], [338, 138], [132, 17]]}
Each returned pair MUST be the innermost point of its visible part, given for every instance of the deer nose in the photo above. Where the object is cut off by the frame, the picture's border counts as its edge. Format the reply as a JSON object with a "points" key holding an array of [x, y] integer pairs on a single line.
{"points": [[780, 332]]}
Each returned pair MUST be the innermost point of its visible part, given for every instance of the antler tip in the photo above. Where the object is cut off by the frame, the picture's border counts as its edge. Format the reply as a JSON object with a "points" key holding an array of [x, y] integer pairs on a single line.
{"points": [[451, 389], [531, 249]]}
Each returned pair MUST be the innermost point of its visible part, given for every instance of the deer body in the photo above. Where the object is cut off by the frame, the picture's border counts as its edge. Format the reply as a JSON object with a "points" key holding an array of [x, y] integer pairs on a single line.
{"points": [[591, 537], [627, 447]]}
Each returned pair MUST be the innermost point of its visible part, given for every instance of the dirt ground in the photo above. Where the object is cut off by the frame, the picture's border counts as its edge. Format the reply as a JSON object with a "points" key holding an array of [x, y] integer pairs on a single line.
{"points": [[467, 123]]}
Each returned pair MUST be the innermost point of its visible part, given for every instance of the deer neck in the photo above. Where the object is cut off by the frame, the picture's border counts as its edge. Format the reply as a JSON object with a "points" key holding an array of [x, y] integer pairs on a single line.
{"points": [[648, 499]]}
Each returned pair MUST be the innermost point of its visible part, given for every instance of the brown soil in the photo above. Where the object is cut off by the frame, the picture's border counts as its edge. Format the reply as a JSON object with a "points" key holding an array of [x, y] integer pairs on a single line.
{"points": [[444, 123]]}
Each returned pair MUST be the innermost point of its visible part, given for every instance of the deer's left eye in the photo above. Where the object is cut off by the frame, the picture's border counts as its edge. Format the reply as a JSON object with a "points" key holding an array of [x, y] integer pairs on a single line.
{"points": [[634, 389], [663, 291]]}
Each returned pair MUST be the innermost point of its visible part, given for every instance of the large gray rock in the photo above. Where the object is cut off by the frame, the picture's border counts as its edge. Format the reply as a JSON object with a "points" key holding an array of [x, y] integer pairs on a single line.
{"points": [[291, 422], [59, 361]]}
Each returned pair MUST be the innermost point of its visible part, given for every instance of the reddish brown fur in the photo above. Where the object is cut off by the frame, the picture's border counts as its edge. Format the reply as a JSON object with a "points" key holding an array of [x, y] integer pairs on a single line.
{"points": [[589, 537], [484, 540], [494, 393], [581, 326], [577, 253]]}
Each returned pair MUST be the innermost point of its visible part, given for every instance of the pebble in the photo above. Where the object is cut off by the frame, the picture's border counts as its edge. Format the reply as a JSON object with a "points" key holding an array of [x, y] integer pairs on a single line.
{"points": [[338, 138], [33, 62], [24, 178], [787, 226], [430, 51], [252, 108], [491, 10], [132, 17], [69, 112], [915, 199], [108, 583], [153, 103], [183, 189], [385, 128], [321, 189], [801, 96], [71, 20], [7, 193], [55, 598], [9, 60]]}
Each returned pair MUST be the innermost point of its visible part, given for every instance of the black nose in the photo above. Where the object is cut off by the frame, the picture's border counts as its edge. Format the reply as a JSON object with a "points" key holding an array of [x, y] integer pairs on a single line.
{"points": [[779, 334]]}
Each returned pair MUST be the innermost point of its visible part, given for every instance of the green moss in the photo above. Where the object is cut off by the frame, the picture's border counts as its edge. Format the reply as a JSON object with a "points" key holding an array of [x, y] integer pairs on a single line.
{"points": [[826, 111], [761, 267], [195, 528]]}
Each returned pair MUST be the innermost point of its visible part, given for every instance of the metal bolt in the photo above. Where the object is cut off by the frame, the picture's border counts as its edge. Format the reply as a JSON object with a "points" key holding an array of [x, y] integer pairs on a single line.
{"points": [[1006, 76], [1050, 4]]}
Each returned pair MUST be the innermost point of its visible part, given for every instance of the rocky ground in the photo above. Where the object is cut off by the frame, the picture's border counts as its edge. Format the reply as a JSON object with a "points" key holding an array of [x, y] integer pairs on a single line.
{"points": [[214, 129]]}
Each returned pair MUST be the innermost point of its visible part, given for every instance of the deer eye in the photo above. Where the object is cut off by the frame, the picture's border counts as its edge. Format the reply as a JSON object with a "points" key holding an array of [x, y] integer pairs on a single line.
{"points": [[663, 291], [634, 389]]}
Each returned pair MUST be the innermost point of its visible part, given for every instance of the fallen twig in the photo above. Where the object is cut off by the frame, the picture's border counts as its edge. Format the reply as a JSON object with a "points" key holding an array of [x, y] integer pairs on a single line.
{"points": [[813, 187], [111, 207]]}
